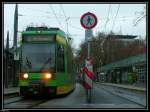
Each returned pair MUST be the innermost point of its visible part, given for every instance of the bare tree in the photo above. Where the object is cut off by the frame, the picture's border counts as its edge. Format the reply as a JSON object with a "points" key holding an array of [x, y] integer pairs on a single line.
{"points": [[111, 50]]}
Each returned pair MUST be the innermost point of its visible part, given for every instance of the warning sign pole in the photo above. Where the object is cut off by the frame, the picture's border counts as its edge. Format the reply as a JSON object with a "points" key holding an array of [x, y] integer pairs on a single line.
{"points": [[89, 91], [88, 21]]}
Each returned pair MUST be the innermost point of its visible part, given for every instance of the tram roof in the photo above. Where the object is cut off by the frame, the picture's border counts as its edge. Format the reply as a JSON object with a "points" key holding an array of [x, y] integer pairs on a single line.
{"points": [[43, 30]]}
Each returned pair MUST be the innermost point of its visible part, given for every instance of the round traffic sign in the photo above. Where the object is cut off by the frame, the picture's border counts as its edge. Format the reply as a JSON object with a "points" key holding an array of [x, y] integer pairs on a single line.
{"points": [[88, 20]]}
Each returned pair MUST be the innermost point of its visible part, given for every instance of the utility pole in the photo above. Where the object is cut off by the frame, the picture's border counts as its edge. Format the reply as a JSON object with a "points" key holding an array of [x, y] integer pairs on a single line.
{"points": [[15, 43], [15, 26], [7, 43], [6, 64]]}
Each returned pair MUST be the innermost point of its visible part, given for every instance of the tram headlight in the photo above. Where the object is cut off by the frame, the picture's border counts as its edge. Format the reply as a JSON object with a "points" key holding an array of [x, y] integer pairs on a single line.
{"points": [[25, 76], [48, 75]]}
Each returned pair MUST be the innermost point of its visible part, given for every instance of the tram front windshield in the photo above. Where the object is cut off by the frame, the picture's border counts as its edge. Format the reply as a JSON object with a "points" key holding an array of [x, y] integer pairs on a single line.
{"points": [[38, 57]]}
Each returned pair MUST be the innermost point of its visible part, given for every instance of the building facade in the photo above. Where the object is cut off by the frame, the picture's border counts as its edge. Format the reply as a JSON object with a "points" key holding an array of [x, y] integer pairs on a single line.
{"points": [[130, 70]]}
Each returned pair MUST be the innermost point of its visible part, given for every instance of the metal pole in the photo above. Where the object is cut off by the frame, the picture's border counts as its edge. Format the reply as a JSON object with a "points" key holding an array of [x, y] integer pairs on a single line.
{"points": [[6, 61], [15, 42], [15, 26], [86, 19], [6, 68], [88, 49], [89, 91]]}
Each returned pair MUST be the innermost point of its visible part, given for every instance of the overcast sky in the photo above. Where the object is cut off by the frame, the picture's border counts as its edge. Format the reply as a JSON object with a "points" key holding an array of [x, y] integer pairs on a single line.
{"points": [[55, 15]]}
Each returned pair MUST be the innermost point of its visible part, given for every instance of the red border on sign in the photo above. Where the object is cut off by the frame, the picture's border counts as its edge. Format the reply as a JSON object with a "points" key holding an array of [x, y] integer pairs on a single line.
{"points": [[88, 13]]}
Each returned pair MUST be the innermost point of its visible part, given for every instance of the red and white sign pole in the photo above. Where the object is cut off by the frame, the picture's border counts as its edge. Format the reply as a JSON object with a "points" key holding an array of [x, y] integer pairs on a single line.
{"points": [[88, 21], [89, 75]]}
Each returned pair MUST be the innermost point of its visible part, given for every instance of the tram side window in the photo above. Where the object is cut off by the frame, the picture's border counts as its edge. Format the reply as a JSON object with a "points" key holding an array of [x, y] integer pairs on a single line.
{"points": [[60, 58]]}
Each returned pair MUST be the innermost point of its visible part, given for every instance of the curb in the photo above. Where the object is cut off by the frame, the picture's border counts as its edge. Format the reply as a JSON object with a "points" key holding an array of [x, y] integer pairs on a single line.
{"points": [[12, 93], [134, 89]]}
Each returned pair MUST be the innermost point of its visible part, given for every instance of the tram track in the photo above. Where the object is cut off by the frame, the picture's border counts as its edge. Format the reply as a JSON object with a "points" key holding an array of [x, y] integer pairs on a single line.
{"points": [[12, 99], [102, 98], [38, 103], [11, 95], [23, 102]]}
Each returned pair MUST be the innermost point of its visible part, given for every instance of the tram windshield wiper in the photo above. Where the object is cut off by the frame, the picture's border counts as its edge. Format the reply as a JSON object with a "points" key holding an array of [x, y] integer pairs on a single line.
{"points": [[45, 63], [28, 63]]}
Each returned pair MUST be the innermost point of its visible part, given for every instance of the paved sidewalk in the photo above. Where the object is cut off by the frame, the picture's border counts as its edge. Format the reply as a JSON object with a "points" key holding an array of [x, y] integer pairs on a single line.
{"points": [[130, 92], [131, 87], [11, 90]]}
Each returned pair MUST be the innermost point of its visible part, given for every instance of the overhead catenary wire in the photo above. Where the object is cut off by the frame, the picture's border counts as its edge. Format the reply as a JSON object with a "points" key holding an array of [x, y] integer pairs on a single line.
{"points": [[115, 18], [66, 19], [61, 16], [51, 16], [105, 26], [56, 16], [123, 18], [107, 18], [64, 16], [139, 19], [71, 26], [38, 10], [75, 27], [63, 10]]}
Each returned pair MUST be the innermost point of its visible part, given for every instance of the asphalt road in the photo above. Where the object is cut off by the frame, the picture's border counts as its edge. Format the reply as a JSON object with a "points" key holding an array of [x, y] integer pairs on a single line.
{"points": [[101, 99]]}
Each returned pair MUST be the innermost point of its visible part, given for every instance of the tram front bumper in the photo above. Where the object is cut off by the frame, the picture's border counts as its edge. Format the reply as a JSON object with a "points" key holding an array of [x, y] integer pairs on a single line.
{"points": [[37, 90]]}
